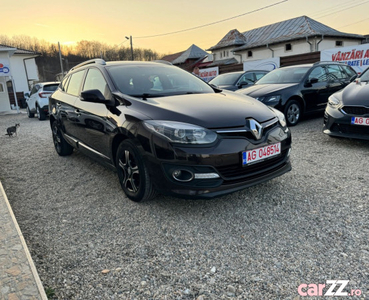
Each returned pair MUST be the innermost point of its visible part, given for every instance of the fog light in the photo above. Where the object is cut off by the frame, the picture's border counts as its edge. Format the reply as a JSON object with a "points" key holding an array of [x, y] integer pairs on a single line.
{"points": [[182, 175]]}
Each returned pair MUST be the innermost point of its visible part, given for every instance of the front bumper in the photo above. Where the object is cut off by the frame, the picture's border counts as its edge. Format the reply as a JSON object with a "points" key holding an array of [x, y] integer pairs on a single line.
{"points": [[338, 124], [224, 158]]}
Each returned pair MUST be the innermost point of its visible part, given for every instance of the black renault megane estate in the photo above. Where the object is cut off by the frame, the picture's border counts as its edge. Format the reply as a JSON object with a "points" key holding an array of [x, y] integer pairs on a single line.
{"points": [[163, 129]]}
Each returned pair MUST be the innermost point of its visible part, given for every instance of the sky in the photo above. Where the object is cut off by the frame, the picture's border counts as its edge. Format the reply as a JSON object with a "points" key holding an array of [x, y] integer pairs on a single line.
{"points": [[110, 21]]}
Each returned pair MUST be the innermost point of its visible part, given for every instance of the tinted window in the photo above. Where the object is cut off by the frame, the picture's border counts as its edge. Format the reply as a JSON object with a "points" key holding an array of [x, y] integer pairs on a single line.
{"points": [[96, 81], [50, 87], [75, 83], [156, 80], [284, 75]]}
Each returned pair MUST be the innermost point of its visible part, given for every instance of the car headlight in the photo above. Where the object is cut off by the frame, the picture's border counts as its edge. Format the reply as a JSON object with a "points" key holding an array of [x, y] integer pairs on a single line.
{"points": [[280, 116], [271, 100], [184, 133], [334, 101]]}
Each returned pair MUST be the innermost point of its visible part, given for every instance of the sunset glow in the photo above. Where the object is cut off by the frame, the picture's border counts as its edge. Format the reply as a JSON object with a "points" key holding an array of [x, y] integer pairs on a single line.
{"points": [[110, 21]]}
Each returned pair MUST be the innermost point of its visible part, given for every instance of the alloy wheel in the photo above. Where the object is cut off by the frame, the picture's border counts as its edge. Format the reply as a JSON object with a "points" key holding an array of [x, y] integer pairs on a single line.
{"points": [[131, 172], [293, 113]]}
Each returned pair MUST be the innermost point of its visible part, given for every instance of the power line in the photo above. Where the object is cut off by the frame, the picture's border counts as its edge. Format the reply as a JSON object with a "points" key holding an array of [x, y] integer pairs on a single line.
{"points": [[332, 13], [354, 23], [213, 23]]}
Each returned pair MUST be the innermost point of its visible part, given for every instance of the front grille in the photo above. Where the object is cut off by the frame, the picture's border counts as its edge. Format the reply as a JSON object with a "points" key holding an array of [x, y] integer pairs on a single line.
{"points": [[242, 132], [237, 171], [355, 110], [350, 129]]}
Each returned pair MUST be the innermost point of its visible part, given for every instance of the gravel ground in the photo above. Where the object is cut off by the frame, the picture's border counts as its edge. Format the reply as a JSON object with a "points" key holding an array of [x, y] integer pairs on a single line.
{"points": [[89, 241]]}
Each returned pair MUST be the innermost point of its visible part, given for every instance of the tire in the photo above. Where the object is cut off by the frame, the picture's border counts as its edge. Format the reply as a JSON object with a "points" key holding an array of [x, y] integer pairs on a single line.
{"points": [[29, 113], [133, 174], [40, 114], [61, 145], [292, 111]]}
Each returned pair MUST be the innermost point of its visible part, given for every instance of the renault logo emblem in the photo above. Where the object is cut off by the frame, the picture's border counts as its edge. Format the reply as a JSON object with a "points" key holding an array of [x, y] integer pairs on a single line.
{"points": [[255, 127]]}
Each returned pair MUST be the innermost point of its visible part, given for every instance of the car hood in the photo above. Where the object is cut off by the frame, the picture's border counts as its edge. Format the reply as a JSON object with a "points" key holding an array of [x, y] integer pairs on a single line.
{"points": [[229, 87], [356, 94], [258, 90], [212, 110]]}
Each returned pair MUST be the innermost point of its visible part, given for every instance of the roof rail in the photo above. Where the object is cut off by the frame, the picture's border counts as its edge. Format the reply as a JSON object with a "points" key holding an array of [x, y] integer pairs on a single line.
{"points": [[91, 61]]}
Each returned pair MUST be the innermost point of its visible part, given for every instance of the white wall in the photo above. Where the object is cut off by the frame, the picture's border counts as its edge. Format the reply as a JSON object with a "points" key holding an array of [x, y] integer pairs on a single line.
{"points": [[19, 72], [4, 97], [298, 47]]}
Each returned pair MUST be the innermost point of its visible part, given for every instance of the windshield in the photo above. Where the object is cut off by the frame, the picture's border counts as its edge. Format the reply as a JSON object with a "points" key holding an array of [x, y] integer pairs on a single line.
{"points": [[365, 75], [156, 80], [225, 79], [284, 75]]}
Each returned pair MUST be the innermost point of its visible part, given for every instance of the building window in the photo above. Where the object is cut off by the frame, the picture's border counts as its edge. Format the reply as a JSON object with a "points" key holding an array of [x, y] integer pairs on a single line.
{"points": [[249, 53], [221, 53], [288, 47], [339, 43], [1, 87]]}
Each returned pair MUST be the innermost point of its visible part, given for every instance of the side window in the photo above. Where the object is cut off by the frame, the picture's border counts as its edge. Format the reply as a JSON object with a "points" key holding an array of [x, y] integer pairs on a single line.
{"points": [[96, 81], [75, 83], [259, 75], [34, 89], [318, 73], [64, 83], [350, 72], [248, 77], [335, 72]]}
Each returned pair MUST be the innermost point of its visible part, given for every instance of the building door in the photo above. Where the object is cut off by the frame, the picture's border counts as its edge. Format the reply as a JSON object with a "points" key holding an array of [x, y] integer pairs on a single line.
{"points": [[4, 97]]}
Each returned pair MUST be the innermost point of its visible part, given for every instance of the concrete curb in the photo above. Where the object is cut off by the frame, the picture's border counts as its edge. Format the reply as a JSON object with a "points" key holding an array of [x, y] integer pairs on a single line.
{"points": [[36, 277]]}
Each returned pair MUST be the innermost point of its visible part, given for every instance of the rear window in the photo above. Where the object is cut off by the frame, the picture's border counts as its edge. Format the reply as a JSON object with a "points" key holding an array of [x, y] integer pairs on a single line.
{"points": [[50, 87]]}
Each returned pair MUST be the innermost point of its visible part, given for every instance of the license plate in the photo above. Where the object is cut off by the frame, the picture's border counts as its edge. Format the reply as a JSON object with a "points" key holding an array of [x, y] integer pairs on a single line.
{"points": [[360, 121], [260, 154]]}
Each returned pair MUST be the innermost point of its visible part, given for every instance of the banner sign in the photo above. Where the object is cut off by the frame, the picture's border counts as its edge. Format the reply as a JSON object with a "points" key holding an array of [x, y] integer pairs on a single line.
{"points": [[262, 64], [4, 67], [208, 73], [355, 56]]}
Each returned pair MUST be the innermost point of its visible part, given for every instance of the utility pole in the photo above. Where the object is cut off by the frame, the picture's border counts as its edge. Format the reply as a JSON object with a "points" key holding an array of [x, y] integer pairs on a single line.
{"points": [[130, 40], [61, 61]]}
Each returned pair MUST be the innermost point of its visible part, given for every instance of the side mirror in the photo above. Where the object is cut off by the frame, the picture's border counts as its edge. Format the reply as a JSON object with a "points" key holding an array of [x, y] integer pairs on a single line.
{"points": [[310, 82], [95, 96], [26, 95], [242, 84]]}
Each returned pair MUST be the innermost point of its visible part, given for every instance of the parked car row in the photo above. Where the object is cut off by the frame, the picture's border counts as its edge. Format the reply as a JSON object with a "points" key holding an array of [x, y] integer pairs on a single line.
{"points": [[166, 130]]}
